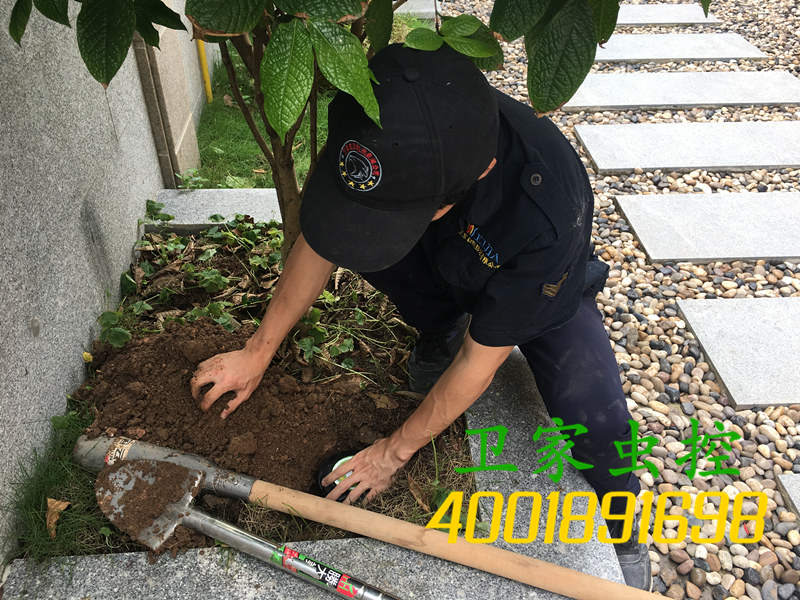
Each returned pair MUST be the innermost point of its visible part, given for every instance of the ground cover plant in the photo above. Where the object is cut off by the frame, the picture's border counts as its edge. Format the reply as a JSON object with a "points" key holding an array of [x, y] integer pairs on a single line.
{"points": [[337, 383]]}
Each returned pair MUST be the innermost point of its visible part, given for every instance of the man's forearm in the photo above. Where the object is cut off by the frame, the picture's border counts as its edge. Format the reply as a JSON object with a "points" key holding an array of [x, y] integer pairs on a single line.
{"points": [[304, 276], [459, 386]]}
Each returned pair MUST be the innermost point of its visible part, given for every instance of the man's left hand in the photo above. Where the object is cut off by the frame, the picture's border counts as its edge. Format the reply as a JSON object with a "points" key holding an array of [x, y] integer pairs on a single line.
{"points": [[373, 469]]}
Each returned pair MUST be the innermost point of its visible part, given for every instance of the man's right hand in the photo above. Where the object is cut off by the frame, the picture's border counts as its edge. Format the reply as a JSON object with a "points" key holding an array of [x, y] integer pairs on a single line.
{"points": [[239, 371]]}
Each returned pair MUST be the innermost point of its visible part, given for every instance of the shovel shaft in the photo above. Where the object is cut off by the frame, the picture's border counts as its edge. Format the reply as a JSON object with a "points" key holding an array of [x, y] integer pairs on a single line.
{"points": [[281, 557]]}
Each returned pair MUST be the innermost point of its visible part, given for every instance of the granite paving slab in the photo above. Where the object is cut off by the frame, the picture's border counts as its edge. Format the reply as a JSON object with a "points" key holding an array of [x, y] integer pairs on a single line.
{"points": [[636, 91], [422, 9], [192, 208], [687, 146], [664, 14], [789, 485], [751, 343], [709, 227], [666, 47], [511, 400]]}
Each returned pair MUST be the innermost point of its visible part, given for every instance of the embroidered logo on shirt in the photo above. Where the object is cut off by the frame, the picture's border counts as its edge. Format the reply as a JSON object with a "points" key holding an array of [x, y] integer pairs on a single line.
{"points": [[551, 289], [488, 255], [359, 168]]}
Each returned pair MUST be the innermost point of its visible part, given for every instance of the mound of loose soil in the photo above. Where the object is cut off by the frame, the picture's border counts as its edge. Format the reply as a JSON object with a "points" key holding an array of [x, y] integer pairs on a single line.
{"points": [[280, 434]]}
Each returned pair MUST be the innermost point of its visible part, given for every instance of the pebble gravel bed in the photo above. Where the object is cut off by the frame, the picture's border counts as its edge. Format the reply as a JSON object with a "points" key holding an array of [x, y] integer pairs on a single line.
{"points": [[662, 367]]}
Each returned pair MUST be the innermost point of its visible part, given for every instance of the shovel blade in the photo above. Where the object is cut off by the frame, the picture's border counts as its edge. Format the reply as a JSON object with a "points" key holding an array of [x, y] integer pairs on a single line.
{"points": [[147, 498]]}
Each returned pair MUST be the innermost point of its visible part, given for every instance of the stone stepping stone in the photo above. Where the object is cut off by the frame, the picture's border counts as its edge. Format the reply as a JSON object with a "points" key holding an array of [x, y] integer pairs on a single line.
{"points": [[789, 485], [750, 342], [741, 146], [666, 47], [191, 208], [421, 9], [626, 91], [664, 14], [511, 400], [708, 227]]}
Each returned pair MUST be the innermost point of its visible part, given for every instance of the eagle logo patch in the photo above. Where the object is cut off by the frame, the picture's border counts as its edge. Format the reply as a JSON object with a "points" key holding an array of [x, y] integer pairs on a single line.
{"points": [[358, 166]]}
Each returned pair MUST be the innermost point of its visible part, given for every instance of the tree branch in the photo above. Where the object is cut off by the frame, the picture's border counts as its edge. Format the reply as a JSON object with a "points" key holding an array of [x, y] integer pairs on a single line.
{"points": [[237, 94], [312, 119], [245, 50]]}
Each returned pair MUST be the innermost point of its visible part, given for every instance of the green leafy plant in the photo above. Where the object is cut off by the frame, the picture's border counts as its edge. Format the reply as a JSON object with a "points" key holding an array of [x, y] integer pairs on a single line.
{"points": [[191, 180], [289, 48], [153, 212], [111, 329]]}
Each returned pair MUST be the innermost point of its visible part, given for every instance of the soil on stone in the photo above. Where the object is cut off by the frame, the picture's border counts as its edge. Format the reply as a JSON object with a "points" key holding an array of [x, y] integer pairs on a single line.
{"points": [[157, 484], [280, 434]]}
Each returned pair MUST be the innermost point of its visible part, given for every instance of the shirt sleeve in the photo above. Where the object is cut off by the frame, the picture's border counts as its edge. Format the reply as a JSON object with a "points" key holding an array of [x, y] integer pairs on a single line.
{"points": [[530, 295]]}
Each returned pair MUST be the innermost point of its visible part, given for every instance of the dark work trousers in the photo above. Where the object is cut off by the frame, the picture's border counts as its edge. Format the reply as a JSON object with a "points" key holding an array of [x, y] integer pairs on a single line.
{"points": [[574, 366]]}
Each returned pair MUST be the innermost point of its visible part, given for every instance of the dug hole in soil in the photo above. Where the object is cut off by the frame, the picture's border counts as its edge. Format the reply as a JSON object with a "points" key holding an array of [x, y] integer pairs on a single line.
{"points": [[280, 434]]}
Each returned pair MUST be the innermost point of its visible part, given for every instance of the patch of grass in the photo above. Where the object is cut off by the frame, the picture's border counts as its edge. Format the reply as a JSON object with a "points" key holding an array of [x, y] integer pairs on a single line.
{"points": [[81, 528]]}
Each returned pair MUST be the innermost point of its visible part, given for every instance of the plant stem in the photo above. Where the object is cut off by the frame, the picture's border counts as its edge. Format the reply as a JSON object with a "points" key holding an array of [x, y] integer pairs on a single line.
{"points": [[237, 94]]}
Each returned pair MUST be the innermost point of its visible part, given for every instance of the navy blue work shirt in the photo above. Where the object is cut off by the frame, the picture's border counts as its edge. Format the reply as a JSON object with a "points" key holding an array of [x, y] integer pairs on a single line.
{"points": [[516, 252]]}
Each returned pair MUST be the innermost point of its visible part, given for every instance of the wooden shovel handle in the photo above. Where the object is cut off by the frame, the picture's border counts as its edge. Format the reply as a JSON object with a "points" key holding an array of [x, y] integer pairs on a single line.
{"points": [[485, 557]]}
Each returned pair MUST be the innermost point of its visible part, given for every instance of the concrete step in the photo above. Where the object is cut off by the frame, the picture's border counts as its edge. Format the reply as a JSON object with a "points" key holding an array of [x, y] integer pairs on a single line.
{"points": [[709, 227], [667, 47], [687, 146], [421, 9], [664, 14], [789, 486], [192, 208], [749, 342], [637, 91], [511, 400]]}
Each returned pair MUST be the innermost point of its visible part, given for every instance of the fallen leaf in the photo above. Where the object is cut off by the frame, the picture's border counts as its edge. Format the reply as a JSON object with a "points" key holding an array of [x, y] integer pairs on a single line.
{"points": [[87, 357], [54, 510], [413, 486], [383, 401], [260, 171], [228, 100], [136, 433]]}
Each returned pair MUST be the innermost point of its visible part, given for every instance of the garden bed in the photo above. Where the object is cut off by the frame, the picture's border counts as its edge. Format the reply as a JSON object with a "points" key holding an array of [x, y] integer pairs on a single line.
{"points": [[337, 383]]}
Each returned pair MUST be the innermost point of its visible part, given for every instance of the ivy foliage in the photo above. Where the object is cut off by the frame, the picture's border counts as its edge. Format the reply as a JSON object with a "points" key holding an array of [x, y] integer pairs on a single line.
{"points": [[337, 36]]}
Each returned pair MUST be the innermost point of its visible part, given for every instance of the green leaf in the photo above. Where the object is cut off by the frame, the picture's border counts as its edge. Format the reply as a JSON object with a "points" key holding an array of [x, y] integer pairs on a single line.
{"points": [[423, 38], [224, 16], [287, 73], [335, 10], [378, 23], [108, 319], [706, 4], [140, 307], [560, 55], [148, 32], [514, 18], [55, 10], [342, 61], [105, 30], [493, 62], [117, 336], [470, 46], [463, 25], [216, 218], [605, 14], [156, 11], [209, 254], [19, 18], [127, 285]]}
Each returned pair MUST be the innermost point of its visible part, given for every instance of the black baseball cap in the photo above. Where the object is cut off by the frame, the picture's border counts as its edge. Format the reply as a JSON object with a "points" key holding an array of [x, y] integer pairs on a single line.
{"points": [[375, 190]]}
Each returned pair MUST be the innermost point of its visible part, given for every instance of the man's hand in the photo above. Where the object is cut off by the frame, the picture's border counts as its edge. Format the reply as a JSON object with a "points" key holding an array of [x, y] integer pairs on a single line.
{"points": [[239, 371], [373, 469]]}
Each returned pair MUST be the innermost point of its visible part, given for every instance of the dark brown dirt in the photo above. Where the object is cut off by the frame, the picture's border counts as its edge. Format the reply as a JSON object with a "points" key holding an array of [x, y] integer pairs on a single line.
{"points": [[145, 501], [279, 435]]}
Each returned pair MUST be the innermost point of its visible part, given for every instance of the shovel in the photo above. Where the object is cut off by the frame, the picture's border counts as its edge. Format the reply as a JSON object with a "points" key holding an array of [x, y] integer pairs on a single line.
{"points": [[148, 499], [95, 453]]}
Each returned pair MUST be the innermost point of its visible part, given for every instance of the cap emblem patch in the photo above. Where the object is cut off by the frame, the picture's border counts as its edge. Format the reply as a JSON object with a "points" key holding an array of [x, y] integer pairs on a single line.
{"points": [[359, 168]]}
